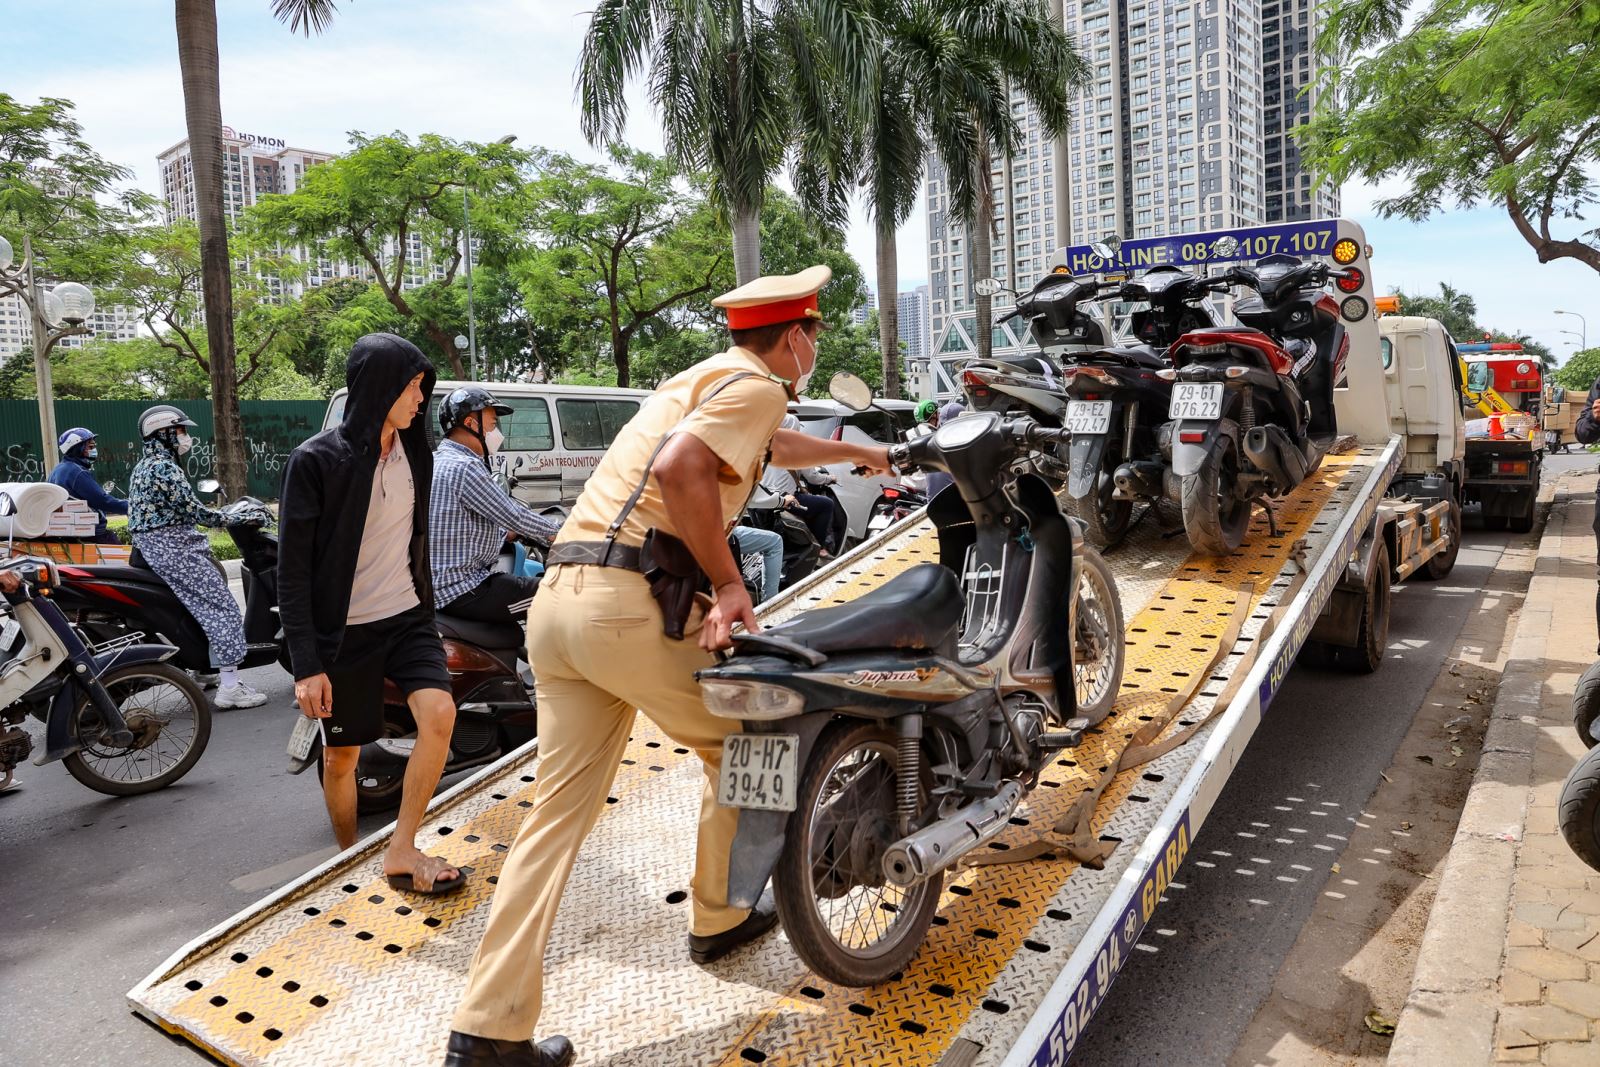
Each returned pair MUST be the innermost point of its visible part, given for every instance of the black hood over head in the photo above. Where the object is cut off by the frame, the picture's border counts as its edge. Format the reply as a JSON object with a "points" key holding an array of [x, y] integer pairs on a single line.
{"points": [[376, 374]]}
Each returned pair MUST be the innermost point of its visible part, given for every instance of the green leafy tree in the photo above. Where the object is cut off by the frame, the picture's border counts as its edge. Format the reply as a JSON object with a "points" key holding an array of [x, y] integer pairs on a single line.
{"points": [[851, 348], [635, 246], [1476, 101], [1580, 372], [737, 87], [1453, 308], [202, 105], [945, 78], [390, 199]]}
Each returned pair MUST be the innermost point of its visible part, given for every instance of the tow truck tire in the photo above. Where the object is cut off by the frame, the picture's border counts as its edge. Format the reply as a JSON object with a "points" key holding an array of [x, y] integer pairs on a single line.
{"points": [[794, 877], [1212, 529], [1524, 523], [1578, 810], [1495, 522], [1441, 565], [1373, 637], [1586, 704]]}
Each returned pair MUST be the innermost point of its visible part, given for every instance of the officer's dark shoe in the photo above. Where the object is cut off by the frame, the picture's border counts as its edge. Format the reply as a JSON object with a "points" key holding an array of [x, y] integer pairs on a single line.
{"points": [[468, 1050], [762, 917]]}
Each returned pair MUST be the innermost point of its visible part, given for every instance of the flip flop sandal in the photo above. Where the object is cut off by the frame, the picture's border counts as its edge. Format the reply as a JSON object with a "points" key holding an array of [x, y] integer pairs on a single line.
{"points": [[406, 883]]}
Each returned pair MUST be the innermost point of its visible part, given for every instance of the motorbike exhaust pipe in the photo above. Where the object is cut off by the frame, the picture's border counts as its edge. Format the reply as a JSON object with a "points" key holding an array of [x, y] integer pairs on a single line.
{"points": [[930, 850], [1272, 452], [1138, 478]]}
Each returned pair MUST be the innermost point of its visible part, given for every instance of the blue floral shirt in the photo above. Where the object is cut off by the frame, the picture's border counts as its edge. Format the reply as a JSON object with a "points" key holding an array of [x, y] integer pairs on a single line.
{"points": [[159, 495]]}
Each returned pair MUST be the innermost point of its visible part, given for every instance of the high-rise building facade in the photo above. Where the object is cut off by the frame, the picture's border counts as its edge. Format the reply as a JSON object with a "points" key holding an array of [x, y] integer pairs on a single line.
{"points": [[1169, 135], [1289, 97], [911, 317]]}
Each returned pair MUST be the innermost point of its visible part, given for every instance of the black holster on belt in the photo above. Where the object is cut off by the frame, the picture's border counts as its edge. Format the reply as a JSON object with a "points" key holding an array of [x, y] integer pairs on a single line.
{"points": [[675, 576]]}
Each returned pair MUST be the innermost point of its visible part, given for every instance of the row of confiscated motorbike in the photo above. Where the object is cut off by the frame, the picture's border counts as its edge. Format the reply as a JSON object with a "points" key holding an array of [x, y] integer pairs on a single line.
{"points": [[1210, 418]]}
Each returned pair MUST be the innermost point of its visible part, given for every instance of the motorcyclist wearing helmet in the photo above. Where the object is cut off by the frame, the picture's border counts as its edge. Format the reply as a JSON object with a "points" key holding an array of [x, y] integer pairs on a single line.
{"points": [[928, 412], [75, 474], [162, 514], [470, 514]]}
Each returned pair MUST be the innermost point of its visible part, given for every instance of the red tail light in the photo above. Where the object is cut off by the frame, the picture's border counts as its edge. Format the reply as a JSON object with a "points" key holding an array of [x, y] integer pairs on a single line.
{"points": [[838, 432], [1091, 396], [1352, 281], [1507, 466], [462, 657], [891, 494], [1191, 437]]}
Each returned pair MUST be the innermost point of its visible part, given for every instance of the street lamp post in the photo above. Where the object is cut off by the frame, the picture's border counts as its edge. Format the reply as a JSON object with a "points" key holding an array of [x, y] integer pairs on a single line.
{"points": [[52, 315], [1584, 336]]}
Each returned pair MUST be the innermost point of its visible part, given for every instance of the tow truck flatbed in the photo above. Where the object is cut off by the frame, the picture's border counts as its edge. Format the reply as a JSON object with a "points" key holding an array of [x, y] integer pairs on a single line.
{"points": [[337, 968]]}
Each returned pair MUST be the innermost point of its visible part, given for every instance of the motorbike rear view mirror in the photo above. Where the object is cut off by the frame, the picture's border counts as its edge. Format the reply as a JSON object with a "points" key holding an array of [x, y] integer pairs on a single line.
{"points": [[1478, 376], [1225, 247], [1107, 247], [850, 391], [8, 507], [988, 287], [208, 485]]}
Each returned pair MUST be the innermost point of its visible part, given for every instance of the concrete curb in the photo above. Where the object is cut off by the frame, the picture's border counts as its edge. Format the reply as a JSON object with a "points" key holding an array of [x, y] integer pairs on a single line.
{"points": [[1451, 1011]]}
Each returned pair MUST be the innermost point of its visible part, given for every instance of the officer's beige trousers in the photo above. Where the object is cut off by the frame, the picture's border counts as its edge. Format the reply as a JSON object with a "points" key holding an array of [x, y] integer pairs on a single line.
{"points": [[598, 653]]}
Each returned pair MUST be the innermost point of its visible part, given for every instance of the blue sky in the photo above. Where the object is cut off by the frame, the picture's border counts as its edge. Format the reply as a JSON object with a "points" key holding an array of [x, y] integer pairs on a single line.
{"points": [[483, 68]]}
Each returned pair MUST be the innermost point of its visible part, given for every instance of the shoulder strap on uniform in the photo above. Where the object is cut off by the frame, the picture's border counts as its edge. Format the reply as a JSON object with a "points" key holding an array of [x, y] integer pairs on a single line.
{"points": [[644, 478]]}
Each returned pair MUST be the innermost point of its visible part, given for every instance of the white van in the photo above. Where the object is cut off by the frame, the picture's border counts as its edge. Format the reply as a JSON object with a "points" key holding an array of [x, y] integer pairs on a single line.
{"points": [[554, 439]]}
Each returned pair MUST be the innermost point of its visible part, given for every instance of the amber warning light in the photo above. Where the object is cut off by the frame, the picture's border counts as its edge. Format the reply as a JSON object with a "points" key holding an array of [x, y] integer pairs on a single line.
{"points": [[1345, 251], [1387, 305]]}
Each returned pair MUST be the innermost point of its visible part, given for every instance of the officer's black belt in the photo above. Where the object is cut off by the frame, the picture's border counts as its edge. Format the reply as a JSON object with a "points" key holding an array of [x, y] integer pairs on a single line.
{"points": [[595, 554]]}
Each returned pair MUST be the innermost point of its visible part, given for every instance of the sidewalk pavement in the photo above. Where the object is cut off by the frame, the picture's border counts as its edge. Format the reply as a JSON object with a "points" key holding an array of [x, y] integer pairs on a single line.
{"points": [[1509, 968]]}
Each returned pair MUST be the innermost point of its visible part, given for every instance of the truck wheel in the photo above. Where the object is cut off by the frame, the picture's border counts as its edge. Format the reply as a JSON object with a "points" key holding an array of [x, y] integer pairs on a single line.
{"points": [[1213, 517], [1524, 523], [1495, 522], [1442, 564], [1578, 810], [1373, 636], [1586, 704], [1105, 521]]}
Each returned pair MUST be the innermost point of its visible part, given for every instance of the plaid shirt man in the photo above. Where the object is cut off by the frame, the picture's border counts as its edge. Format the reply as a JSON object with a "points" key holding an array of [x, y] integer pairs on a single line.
{"points": [[468, 521]]}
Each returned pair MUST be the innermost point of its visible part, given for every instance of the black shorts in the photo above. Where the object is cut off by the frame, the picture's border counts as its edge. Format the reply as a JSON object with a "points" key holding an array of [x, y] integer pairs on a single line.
{"points": [[403, 648]]}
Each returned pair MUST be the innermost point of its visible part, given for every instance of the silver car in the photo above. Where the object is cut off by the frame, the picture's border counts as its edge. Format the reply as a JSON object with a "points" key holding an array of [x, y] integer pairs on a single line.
{"points": [[884, 423]]}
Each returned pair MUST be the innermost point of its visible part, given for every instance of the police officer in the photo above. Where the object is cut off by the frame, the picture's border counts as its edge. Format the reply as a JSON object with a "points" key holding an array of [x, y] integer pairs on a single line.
{"points": [[598, 647], [1587, 431], [75, 474]]}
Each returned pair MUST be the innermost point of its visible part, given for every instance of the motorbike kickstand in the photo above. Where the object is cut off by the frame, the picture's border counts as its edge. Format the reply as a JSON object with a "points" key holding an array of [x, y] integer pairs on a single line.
{"points": [[1272, 516]]}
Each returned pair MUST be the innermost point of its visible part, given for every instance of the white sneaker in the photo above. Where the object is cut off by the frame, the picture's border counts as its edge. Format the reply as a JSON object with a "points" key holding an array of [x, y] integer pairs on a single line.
{"points": [[230, 697]]}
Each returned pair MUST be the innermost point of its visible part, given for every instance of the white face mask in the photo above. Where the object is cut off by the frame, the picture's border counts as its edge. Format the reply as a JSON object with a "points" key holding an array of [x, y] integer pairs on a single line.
{"points": [[185, 442], [799, 384], [493, 440]]}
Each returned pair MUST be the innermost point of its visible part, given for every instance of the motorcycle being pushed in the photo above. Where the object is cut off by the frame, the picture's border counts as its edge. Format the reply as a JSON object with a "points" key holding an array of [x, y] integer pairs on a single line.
{"points": [[1252, 411], [120, 717], [885, 739]]}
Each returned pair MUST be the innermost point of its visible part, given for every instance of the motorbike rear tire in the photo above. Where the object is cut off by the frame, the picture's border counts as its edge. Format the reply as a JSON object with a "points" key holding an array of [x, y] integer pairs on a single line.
{"points": [[374, 797], [794, 876], [1105, 520], [1214, 530], [1578, 810], [1586, 704], [168, 674]]}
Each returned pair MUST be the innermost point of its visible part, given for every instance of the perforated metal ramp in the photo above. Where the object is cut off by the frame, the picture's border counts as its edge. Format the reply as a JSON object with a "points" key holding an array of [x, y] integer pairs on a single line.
{"points": [[336, 968]]}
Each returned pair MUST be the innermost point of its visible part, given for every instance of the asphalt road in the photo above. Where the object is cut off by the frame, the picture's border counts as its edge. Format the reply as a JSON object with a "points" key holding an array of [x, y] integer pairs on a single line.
{"points": [[98, 891]]}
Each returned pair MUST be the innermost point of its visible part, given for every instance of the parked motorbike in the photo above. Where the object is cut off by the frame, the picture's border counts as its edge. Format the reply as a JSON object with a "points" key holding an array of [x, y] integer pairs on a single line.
{"points": [[1252, 415], [801, 553], [886, 739], [122, 719], [895, 502], [112, 601]]}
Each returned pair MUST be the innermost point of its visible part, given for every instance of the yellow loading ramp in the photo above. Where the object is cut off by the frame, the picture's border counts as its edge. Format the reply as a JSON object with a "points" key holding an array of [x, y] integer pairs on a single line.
{"points": [[336, 968]]}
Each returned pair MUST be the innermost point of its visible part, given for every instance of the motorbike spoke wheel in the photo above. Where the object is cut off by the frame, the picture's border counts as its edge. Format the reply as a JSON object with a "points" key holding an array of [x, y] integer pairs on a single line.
{"points": [[1106, 520], [171, 723], [1097, 655], [847, 922]]}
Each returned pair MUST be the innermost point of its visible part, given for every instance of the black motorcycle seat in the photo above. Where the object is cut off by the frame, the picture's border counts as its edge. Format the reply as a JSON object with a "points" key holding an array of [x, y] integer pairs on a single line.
{"points": [[916, 609], [1029, 364], [1143, 356], [118, 572], [486, 635]]}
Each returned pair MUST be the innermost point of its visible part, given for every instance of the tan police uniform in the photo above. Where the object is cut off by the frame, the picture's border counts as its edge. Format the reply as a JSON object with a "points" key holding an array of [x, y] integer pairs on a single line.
{"points": [[596, 645]]}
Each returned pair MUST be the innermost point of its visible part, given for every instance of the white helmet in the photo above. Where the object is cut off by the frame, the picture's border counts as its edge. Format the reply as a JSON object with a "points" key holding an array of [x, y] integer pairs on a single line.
{"points": [[161, 417]]}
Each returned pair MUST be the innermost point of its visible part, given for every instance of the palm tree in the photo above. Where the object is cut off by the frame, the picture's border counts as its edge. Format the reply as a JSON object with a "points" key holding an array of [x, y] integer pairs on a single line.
{"points": [[738, 87], [202, 106]]}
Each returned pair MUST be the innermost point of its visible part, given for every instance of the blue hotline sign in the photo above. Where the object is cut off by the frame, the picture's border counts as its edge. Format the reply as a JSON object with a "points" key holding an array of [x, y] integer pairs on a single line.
{"points": [[1192, 250]]}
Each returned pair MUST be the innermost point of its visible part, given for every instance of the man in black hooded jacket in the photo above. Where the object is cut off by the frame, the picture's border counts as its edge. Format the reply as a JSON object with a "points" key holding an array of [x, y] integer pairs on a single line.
{"points": [[356, 597]]}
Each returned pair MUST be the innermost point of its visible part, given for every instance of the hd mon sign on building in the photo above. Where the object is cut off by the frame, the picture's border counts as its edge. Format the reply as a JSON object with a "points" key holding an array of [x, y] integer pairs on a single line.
{"points": [[253, 138]]}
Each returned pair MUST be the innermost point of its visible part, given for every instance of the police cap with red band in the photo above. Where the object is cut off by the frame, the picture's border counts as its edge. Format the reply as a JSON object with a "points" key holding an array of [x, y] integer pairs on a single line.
{"points": [[774, 299]]}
